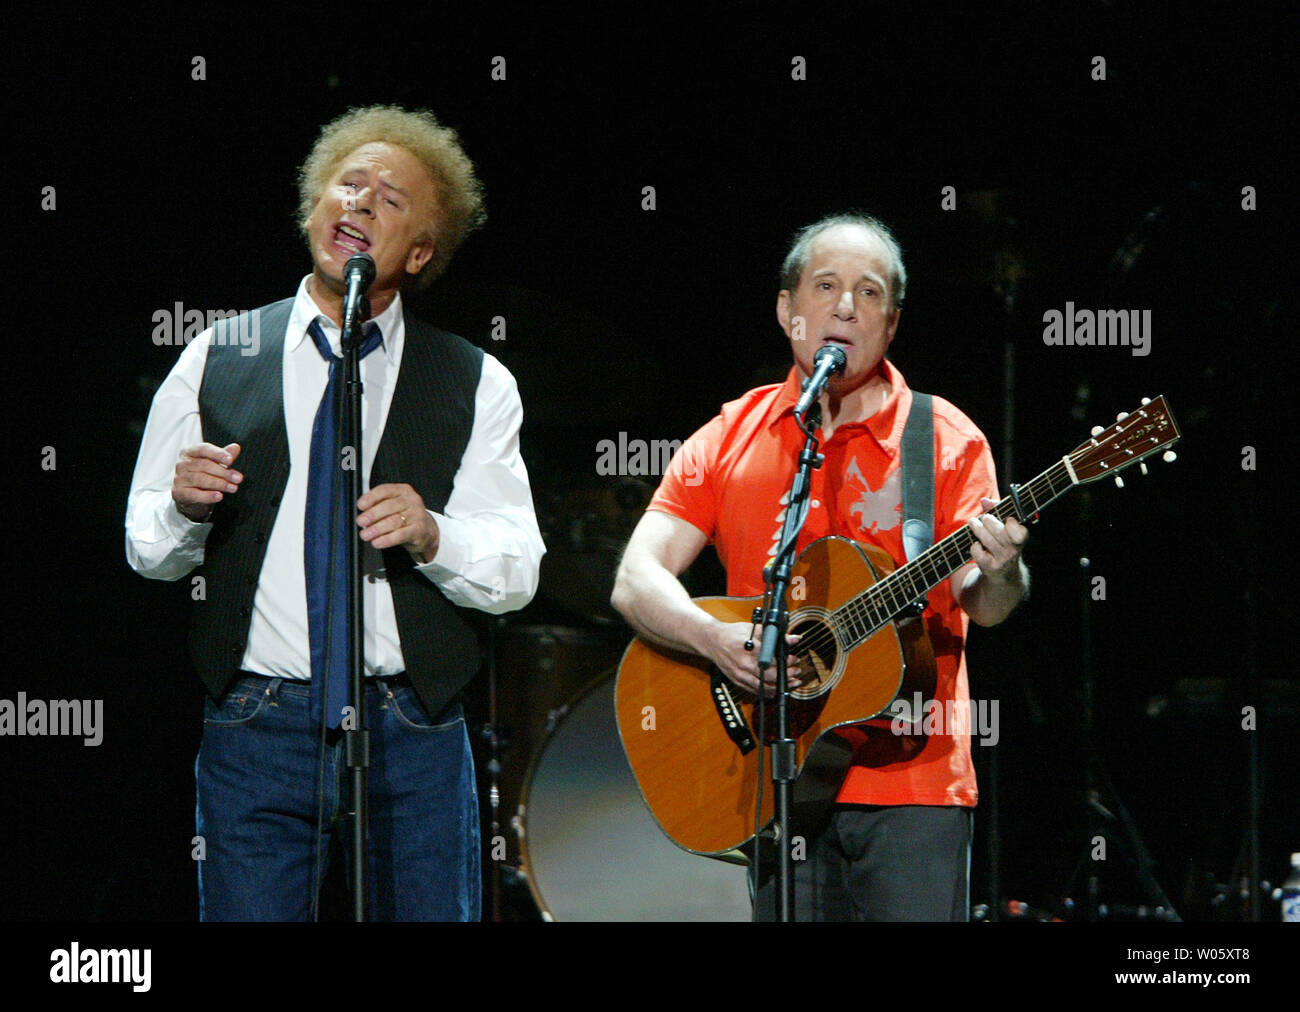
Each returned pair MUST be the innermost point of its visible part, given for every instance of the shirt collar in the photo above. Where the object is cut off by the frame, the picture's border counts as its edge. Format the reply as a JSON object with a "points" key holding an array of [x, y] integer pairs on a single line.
{"points": [[885, 426], [391, 323]]}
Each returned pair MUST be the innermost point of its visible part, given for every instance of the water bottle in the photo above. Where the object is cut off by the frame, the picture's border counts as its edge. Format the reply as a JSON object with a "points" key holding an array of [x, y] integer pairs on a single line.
{"points": [[1290, 892]]}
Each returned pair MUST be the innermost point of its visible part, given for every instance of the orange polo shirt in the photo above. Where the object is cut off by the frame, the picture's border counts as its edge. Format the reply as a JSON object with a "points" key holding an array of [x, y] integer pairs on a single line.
{"points": [[731, 480]]}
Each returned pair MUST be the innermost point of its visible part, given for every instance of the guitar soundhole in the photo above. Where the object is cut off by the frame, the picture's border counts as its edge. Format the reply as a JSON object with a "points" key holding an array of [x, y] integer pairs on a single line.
{"points": [[817, 653]]}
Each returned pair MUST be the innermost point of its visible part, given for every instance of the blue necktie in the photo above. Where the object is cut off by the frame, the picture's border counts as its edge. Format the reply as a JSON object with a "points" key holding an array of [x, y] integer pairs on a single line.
{"points": [[330, 521]]}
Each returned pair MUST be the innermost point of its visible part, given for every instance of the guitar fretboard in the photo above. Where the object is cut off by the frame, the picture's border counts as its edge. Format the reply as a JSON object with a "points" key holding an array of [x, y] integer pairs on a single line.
{"points": [[860, 617]]}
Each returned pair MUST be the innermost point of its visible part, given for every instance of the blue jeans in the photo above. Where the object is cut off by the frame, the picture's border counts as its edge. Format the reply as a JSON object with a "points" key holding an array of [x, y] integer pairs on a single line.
{"points": [[269, 797]]}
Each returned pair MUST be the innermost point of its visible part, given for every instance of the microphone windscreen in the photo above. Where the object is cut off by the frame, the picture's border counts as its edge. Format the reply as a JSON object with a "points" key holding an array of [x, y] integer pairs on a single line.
{"points": [[834, 353], [362, 266]]}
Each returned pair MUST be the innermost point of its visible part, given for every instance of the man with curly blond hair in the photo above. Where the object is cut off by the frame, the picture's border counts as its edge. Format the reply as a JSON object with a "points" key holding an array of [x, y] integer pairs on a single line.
{"points": [[230, 478]]}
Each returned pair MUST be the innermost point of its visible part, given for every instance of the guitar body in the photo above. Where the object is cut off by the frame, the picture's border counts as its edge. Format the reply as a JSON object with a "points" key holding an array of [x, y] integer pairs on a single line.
{"points": [[700, 785]]}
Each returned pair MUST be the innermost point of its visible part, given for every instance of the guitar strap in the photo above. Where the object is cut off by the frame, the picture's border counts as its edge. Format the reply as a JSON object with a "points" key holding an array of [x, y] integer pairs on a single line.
{"points": [[917, 449]]}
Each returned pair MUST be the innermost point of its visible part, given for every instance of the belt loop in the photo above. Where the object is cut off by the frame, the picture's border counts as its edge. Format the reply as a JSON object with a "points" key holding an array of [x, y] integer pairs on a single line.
{"points": [[381, 683], [273, 690]]}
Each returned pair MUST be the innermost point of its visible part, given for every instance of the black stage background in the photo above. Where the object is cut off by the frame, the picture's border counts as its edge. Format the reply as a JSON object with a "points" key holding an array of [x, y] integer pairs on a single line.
{"points": [[1123, 193]]}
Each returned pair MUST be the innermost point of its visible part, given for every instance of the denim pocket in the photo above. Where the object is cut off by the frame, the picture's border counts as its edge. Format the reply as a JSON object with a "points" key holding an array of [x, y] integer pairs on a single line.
{"points": [[410, 712], [240, 706]]}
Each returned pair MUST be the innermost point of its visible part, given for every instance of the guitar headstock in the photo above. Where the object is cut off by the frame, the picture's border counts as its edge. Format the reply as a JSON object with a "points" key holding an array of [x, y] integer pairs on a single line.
{"points": [[1133, 437]]}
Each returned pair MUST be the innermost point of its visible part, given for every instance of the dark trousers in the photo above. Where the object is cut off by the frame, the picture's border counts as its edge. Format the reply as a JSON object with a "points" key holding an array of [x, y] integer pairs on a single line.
{"points": [[880, 863]]}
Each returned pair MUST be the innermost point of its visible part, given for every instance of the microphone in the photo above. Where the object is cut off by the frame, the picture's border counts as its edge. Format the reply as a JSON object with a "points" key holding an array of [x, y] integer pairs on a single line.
{"points": [[828, 361], [359, 274]]}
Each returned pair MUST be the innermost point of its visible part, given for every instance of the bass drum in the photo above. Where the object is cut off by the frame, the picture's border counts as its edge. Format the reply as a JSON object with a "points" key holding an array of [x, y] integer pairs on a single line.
{"points": [[592, 851]]}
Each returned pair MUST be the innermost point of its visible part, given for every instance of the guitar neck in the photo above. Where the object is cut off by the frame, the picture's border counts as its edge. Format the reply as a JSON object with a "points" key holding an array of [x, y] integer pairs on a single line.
{"points": [[882, 601]]}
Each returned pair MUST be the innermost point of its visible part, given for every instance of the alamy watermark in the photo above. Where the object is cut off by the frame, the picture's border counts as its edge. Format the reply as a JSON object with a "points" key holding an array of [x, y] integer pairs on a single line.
{"points": [[179, 325], [640, 458], [922, 717], [73, 718], [1128, 328], [75, 965]]}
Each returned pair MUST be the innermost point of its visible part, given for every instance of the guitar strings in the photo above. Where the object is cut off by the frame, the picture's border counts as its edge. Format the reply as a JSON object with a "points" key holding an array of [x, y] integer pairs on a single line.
{"points": [[875, 606], [879, 603]]}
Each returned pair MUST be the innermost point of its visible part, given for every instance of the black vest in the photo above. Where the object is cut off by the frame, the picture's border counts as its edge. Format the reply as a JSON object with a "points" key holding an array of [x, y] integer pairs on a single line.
{"points": [[241, 400]]}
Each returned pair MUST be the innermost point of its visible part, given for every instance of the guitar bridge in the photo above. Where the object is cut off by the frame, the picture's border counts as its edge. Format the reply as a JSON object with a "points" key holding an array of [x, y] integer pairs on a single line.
{"points": [[729, 712]]}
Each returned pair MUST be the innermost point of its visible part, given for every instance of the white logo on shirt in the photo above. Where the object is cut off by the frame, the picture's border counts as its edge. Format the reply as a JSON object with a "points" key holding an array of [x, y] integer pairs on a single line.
{"points": [[878, 509]]}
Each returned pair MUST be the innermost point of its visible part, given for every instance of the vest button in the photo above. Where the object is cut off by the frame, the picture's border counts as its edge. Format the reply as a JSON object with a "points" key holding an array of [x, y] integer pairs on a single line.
{"points": [[245, 612], [259, 538]]}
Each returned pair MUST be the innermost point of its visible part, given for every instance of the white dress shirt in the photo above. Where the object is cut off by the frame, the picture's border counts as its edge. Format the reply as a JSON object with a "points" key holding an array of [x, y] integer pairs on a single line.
{"points": [[489, 548]]}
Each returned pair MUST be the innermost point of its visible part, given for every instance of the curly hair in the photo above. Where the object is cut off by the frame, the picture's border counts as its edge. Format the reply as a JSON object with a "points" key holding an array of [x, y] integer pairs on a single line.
{"points": [[459, 207], [797, 258]]}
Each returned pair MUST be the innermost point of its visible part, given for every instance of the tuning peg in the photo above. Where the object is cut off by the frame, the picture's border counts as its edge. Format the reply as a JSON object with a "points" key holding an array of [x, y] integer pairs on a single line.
{"points": [[1119, 482], [1142, 467], [1169, 456], [1121, 416], [1146, 401], [1097, 430]]}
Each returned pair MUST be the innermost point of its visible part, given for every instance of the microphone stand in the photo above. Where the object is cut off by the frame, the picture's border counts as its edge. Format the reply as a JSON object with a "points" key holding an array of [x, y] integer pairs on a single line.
{"points": [[357, 736], [776, 617]]}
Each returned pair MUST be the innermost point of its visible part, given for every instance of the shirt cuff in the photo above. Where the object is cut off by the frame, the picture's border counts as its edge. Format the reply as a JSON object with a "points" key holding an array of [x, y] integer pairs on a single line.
{"points": [[453, 550], [187, 532]]}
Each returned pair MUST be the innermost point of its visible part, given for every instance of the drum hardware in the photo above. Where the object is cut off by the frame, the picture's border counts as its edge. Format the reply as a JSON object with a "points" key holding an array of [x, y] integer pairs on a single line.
{"points": [[553, 718], [530, 672]]}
